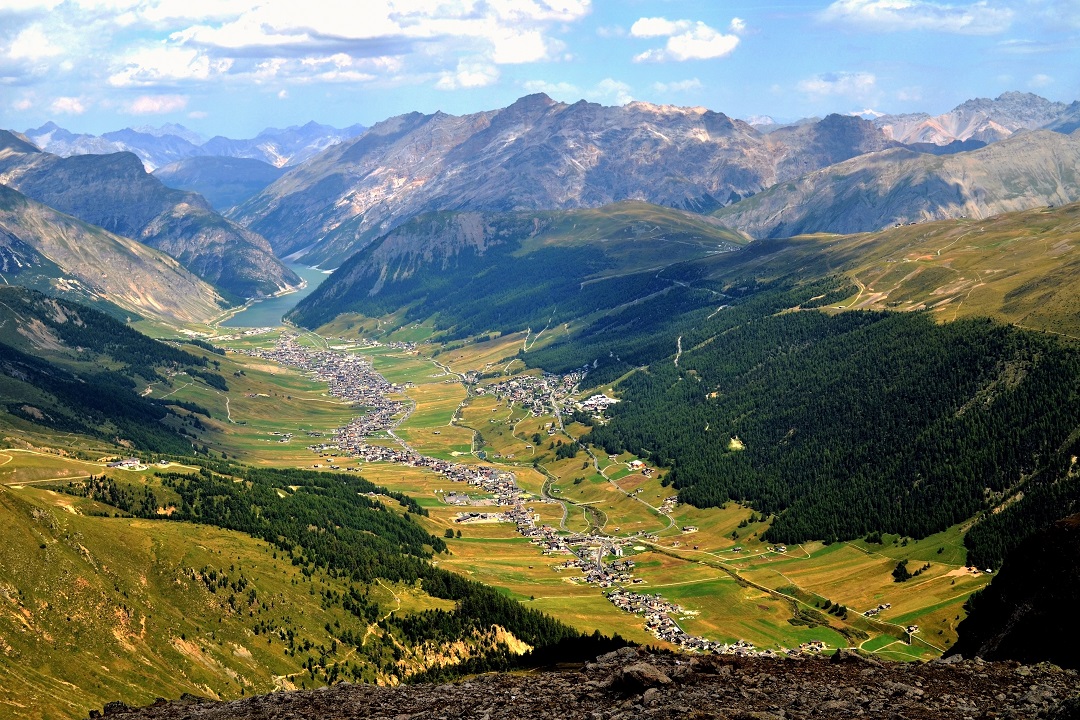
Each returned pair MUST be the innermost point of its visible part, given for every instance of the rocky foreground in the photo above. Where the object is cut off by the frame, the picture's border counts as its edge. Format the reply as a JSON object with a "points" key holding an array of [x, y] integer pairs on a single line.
{"points": [[632, 683]]}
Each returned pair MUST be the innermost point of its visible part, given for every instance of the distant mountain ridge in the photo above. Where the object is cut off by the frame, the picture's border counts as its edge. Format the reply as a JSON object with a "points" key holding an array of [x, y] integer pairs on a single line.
{"points": [[899, 186], [977, 119], [115, 192], [536, 154], [157, 147], [223, 181]]}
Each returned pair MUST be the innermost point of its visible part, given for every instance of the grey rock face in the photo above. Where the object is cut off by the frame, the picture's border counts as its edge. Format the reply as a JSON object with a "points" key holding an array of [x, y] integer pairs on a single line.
{"points": [[536, 154], [749, 689], [978, 119], [897, 186]]}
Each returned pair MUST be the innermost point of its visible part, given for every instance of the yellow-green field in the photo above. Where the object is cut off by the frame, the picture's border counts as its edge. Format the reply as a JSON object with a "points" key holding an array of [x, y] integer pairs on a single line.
{"points": [[624, 502], [486, 356], [136, 596], [728, 595]]}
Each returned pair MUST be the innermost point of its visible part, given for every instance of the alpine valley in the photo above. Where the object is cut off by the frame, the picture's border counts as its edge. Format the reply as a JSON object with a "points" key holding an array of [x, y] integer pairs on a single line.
{"points": [[515, 389]]}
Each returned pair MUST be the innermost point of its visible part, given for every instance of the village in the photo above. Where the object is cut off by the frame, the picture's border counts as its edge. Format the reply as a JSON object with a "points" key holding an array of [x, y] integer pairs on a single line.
{"points": [[599, 557], [538, 394]]}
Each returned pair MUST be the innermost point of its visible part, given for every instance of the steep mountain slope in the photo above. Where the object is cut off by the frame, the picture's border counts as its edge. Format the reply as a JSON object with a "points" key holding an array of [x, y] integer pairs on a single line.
{"points": [[116, 193], [503, 271], [223, 181], [71, 369], [536, 154], [978, 119], [897, 186], [1019, 617], [137, 597], [1068, 121], [46, 250]]}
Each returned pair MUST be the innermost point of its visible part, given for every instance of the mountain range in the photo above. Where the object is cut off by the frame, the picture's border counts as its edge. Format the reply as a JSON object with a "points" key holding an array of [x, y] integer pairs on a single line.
{"points": [[43, 249], [852, 326], [157, 147], [898, 186], [536, 154], [223, 181], [978, 119], [116, 193]]}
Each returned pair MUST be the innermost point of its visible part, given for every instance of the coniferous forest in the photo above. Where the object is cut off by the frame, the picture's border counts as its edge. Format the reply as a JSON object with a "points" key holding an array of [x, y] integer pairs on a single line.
{"points": [[860, 422], [327, 520]]}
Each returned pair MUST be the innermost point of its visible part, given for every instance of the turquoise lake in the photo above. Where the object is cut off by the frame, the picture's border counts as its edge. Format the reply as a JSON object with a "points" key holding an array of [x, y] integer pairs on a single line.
{"points": [[268, 313]]}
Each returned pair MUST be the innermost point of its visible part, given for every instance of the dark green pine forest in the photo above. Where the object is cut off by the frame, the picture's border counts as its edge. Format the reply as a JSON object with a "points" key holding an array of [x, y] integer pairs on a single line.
{"points": [[862, 422]]}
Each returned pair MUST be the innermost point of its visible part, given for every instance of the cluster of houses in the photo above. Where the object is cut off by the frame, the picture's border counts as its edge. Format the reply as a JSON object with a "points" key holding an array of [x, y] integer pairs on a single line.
{"points": [[244, 333], [539, 394], [352, 378], [131, 463], [874, 611], [597, 404]]}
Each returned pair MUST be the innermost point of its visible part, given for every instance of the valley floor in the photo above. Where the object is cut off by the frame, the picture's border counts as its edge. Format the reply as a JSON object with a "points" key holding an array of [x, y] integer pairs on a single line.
{"points": [[582, 536]]}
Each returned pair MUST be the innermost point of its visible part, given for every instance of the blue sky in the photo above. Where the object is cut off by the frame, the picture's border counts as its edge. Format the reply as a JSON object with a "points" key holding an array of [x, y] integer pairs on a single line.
{"points": [[233, 67]]}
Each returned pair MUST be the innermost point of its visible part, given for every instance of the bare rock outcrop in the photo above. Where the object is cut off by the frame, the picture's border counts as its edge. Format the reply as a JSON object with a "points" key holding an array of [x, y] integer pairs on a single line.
{"points": [[632, 684]]}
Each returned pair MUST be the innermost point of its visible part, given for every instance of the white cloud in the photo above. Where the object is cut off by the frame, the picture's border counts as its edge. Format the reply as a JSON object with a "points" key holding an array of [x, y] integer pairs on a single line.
{"points": [[560, 90], [686, 40], [283, 95], [678, 86], [1040, 81], [32, 44], [156, 104], [611, 91], [658, 27], [737, 26], [514, 48], [68, 106], [847, 84], [23, 104], [165, 65], [175, 44], [978, 18], [198, 114], [469, 74], [20, 6]]}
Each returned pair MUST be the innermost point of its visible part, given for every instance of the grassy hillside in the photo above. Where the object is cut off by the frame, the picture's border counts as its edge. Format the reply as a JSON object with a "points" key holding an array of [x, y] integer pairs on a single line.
{"points": [[97, 608], [475, 272], [1017, 267], [67, 368]]}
